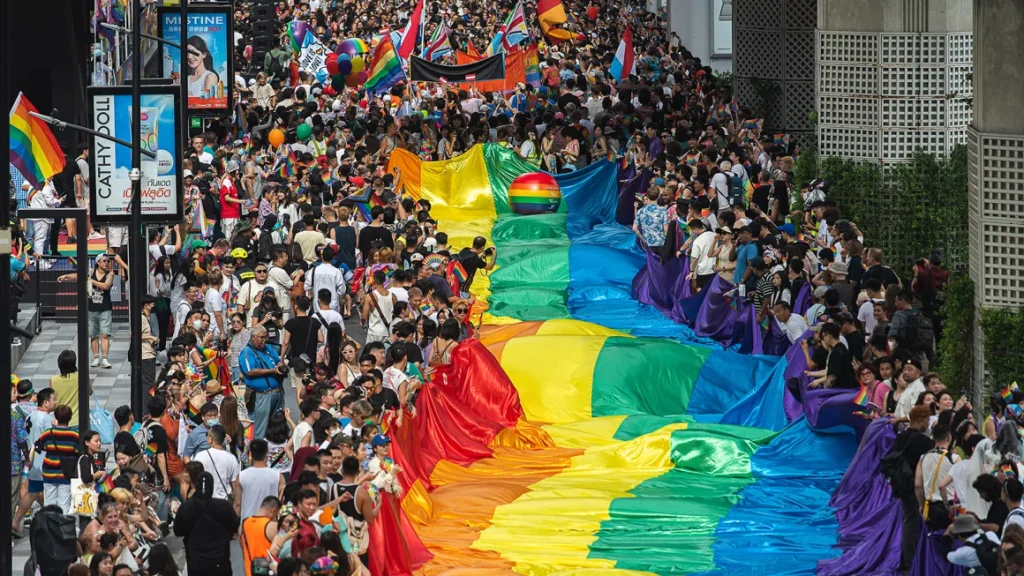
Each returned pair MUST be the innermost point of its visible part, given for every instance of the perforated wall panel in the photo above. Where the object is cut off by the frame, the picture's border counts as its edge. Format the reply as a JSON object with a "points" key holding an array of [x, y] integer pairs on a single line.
{"points": [[910, 89], [996, 211], [773, 40]]}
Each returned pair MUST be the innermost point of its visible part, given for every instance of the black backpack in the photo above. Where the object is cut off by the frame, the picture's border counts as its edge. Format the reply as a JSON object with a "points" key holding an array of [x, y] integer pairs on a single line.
{"points": [[53, 536], [988, 555], [924, 339], [898, 472]]}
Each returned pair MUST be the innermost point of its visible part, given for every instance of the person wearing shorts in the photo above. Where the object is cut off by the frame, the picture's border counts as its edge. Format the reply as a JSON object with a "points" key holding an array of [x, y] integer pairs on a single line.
{"points": [[101, 311], [117, 238]]}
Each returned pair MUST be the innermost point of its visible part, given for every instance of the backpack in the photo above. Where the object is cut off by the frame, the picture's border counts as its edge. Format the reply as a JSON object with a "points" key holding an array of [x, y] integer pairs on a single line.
{"points": [[924, 329], [988, 554], [53, 537], [142, 439], [263, 246], [735, 189], [276, 68], [898, 472]]}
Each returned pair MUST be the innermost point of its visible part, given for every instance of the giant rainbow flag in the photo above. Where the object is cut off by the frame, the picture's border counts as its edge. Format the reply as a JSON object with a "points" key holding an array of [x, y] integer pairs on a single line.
{"points": [[34, 150], [585, 433]]}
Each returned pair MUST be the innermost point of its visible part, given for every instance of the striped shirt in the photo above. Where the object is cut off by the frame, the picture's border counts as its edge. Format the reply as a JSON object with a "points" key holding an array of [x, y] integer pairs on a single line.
{"points": [[58, 442]]}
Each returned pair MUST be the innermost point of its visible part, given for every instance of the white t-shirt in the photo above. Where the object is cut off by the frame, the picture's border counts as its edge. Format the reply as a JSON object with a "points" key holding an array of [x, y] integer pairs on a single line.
{"points": [[866, 315], [257, 484], [1016, 516], [328, 317], [223, 467], [299, 433], [214, 305], [393, 378], [794, 328], [700, 251], [401, 294], [721, 184]]}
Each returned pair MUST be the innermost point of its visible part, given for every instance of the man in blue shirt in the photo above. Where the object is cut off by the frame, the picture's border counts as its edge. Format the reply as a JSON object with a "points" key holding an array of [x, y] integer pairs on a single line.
{"points": [[746, 250], [262, 370]]}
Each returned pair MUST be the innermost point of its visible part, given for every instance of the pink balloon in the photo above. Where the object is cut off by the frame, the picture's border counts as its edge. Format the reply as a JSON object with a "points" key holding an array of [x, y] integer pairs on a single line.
{"points": [[363, 77]]}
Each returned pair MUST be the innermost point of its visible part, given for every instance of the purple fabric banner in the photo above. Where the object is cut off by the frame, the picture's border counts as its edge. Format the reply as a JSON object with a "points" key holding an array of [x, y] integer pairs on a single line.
{"points": [[803, 299], [869, 517], [716, 318], [630, 186], [652, 285], [931, 557]]}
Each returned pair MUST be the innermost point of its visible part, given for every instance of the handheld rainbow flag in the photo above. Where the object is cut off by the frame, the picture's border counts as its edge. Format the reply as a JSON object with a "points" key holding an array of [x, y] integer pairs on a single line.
{"points": [[106, 485], [456, 269], [285, 165], [385, 68], [34, 150], [861, 399], [1006, 393]]}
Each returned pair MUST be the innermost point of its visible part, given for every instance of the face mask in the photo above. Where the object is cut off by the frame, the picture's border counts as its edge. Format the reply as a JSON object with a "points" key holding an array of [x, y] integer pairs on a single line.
{"points": [[212, 423], [197, 324]]}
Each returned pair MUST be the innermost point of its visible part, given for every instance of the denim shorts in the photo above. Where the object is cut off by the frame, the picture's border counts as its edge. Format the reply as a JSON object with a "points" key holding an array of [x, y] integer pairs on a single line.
{"points": [[100, 323]]}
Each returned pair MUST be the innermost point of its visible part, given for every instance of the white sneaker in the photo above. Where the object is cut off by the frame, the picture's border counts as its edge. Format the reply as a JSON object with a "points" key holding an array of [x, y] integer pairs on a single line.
{"points": [[95, 362], [105, 364], [96, 236]]}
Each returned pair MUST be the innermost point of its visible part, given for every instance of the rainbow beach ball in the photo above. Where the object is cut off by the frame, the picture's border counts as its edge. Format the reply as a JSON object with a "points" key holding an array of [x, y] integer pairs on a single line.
{"points": [[534, 193]]}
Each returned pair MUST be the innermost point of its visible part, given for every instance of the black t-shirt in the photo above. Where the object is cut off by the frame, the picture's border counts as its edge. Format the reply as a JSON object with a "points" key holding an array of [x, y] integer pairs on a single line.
{"points": [[273, 334], [472, 262], [760, 197], [156, 445], [345, 238], [840, 365], [385, 400], [370, 234], [124, 442], [413, 353], [997, 514], [856, 341], [299, 329], [914, 444], [883, 274], [569, 98]]}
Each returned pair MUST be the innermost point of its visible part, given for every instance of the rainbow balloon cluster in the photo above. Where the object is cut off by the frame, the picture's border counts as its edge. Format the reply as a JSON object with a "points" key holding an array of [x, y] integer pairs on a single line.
{"points": [[347, 65], [534, 193]]}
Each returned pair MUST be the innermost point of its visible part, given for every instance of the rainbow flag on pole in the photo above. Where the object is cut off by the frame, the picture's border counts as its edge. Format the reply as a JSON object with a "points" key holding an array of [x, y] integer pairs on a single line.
{"points": [[34, 150], [385, 68], [861, 399]]}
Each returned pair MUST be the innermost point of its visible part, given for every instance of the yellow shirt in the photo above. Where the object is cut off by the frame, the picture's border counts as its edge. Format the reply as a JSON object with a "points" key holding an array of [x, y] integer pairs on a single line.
{"points": [[65, 390]]}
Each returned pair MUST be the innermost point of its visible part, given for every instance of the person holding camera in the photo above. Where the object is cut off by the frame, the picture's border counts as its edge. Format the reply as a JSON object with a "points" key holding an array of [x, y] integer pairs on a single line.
{"points": [[476, 258], [263, 373]]}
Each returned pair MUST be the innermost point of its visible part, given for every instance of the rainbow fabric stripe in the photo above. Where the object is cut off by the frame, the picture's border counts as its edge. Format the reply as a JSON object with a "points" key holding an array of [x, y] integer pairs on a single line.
{"points": [[385, 68], [57, 442], [582, 440], [34, 150], [106, 485], [861, 399], [1006, 393]]}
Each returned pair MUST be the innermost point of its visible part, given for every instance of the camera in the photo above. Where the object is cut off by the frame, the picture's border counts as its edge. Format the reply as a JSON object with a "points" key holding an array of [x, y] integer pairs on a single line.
{"points": [[489, 251], [260, 567]]}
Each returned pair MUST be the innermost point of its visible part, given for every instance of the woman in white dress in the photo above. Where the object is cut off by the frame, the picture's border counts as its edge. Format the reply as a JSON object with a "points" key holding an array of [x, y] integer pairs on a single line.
{"points": [[200, 64]]}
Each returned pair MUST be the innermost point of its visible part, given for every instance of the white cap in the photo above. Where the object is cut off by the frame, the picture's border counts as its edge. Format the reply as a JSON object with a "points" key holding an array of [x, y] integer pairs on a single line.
{"points": [[186, 174]]}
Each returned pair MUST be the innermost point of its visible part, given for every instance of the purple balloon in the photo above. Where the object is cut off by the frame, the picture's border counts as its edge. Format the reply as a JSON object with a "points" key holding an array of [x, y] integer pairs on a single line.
{"points": [[298, 31], [344, 64], [363, 77], [348, 48]]}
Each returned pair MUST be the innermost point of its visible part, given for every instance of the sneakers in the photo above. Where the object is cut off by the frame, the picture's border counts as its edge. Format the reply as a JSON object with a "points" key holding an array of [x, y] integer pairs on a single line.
{"points": [[95, 361], [96, 236], [105, 364]]}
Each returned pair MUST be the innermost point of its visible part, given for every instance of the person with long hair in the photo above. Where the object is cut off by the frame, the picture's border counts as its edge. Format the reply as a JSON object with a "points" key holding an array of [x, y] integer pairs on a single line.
{"points": [[161, 561], [101, 565], [426, 331], [202, 76], [160, 289], [238, 337], [330, 352], [278, 437], [207, 524], [237, 444]]}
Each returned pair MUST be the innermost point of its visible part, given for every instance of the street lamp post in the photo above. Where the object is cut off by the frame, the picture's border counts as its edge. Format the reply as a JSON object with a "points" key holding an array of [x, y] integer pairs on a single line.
{"points": [[137, 234]]}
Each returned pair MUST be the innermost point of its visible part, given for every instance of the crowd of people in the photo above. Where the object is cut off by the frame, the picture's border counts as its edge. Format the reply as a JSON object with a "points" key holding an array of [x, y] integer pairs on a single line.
{"points": [[252, 300]]}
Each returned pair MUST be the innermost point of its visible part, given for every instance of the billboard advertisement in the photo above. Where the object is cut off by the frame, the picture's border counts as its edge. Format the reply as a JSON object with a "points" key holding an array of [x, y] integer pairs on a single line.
{"points": [[159, 132], [208, 67]]}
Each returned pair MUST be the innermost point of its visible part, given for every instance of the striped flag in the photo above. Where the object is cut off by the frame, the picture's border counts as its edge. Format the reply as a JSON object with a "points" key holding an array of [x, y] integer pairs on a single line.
{"points": [[625, 58], [438, 47], [511, 33], [410, 36]]}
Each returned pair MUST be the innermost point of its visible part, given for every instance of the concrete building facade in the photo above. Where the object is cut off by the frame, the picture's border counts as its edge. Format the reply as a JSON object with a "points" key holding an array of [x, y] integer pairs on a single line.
{"points": [[996, 155], [892, 77], [773, 63], [703, 32]]}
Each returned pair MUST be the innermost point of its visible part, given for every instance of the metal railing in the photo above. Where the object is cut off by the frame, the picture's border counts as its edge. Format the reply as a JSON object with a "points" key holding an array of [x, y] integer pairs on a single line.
{"points": [[57, 301]]}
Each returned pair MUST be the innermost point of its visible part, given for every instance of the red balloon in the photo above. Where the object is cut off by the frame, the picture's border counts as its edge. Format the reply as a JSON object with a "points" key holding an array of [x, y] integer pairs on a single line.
{"points": [[363, 77], [592, 12], [332, 65]]}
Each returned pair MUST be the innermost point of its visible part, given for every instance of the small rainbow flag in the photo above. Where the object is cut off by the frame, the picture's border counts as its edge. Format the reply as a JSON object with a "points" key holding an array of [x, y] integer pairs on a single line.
{"points": [[426, 309], [285, 165], [764, 322], [1006, 393], [34, 150], [106, 485], [1007, 470], [861, 399], [458, 270]]}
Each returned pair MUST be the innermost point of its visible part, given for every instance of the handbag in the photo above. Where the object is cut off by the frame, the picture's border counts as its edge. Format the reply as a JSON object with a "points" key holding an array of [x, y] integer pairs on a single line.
{"points": [[83, 496], [101, 421], [935, 479]]}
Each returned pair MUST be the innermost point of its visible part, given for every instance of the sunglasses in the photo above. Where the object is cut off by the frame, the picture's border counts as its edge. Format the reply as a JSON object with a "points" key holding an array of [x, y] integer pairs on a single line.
{"points": [[264, 271], [461, 310]]}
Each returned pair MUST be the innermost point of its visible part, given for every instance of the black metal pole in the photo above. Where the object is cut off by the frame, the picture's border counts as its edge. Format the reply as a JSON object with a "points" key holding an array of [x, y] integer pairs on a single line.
{"points": [[183, 79], [136, 247], [5, 295], [81, 285], [62, 125]]}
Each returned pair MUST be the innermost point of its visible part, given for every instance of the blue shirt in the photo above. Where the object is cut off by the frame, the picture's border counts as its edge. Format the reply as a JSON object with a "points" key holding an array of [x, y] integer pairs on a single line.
{"points": [[196, 442], [744, 253], [16, 266], [652, 220], [252, 359]]}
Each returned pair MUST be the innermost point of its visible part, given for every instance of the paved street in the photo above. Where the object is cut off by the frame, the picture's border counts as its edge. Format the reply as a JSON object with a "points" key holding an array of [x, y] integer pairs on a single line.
{"points": [[112, 388]]}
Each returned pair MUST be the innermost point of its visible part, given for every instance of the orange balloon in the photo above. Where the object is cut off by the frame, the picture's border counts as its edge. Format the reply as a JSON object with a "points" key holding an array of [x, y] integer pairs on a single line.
{"points": [[276, 137], [352, 80], [357, 65]]}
